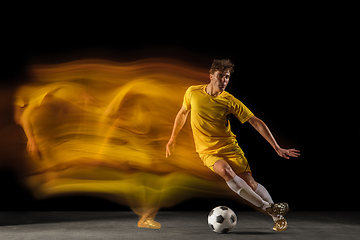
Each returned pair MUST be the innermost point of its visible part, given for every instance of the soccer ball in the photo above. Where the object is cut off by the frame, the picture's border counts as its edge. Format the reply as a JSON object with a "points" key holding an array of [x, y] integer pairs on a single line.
{"points": [[222, 219]]}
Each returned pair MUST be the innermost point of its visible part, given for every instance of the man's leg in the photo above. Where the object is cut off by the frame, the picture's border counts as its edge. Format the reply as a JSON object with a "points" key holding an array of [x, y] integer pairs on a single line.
{"points": [[239, 185], [257, 187], [244, 185], [263, 193], [146, 217]]}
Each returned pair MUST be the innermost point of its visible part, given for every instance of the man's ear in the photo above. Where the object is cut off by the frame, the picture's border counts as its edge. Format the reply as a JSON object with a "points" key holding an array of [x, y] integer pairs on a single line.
{"points": [[211, 76]]}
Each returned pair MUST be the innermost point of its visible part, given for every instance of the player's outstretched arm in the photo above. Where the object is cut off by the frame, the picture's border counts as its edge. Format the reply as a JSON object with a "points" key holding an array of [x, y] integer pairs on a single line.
{"points": [[261, 127], [178, 125]]}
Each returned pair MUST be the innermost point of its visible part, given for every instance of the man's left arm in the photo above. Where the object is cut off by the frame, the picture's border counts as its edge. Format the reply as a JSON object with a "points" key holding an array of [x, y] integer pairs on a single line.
{"points": [[261, 127]]}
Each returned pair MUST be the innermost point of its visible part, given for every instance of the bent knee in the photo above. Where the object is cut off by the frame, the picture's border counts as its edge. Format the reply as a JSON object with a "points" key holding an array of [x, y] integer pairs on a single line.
{"points": [[252, 184], [247, 177], [224, 170]]}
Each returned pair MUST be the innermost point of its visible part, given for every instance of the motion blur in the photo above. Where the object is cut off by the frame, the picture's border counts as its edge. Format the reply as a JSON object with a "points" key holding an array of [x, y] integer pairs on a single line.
{"points": [[99, 128]]}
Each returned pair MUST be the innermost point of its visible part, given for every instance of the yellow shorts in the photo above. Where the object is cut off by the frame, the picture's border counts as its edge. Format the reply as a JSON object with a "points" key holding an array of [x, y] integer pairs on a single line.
{"points": [[236, 159]]}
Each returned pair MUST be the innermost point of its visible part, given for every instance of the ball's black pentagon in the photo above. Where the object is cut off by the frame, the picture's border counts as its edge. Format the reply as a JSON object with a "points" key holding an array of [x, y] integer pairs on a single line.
{"points": [[225, 230], [211, 213], [224, 208], [219, 219], [232, 218], [212, 227]]}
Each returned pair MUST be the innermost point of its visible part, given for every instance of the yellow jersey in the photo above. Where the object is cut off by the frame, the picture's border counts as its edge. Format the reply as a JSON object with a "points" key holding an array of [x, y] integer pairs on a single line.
{"points": [[210, 119]]}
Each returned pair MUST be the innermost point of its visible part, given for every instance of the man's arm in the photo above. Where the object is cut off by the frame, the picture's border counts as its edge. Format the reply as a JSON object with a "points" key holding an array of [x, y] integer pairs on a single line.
{"points": [[22, 116], [261, 127], [178, 125]]}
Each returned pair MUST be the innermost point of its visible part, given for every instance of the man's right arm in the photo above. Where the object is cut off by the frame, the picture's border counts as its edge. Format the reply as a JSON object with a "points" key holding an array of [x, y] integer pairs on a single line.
{"points": [[178, 125]]}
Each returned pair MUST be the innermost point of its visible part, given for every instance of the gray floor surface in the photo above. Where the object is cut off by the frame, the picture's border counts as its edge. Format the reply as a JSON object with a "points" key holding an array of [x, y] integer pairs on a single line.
{"points": [[175, 225]]}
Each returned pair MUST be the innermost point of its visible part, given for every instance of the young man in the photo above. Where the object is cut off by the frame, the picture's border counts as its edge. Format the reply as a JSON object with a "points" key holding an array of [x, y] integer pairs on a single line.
{"points": [[210, 106]]}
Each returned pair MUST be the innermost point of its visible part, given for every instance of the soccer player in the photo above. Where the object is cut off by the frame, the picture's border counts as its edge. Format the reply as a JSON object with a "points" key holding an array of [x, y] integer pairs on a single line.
{"points": [[210, 106]]}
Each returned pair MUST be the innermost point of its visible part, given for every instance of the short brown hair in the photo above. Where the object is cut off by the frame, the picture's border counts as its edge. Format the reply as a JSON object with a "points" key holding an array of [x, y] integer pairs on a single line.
{"points": [[221, 65]]}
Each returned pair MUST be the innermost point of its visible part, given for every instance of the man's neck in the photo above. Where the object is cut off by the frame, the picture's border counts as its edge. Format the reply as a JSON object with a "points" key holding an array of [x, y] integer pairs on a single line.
{"points": [[211, 90]]}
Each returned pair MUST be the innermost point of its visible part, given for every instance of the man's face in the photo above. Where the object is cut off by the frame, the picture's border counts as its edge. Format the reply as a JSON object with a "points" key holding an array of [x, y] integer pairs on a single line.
{"points": [[220, 79]]}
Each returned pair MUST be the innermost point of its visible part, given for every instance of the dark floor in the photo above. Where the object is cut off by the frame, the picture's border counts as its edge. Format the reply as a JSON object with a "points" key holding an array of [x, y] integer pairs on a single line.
{"points": [[175, 225]]}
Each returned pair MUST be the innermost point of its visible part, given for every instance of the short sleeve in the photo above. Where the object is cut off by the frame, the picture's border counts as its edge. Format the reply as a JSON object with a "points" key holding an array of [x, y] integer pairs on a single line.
{"points": [[19, 102], [187, 98], [240, 110]]}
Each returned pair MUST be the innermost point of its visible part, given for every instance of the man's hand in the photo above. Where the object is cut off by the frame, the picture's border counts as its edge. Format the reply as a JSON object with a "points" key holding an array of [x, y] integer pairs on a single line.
{"points": [[32, 148], [170, 147], [178, 125], [287, 153]]}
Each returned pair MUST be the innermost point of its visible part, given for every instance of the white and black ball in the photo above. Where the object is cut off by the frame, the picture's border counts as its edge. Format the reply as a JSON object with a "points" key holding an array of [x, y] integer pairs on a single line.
{"points": [[222, 219]]}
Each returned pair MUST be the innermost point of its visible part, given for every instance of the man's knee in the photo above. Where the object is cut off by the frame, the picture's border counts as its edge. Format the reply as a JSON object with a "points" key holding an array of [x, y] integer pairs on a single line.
{"points": [[253, 185], [247, 177], [224, 170]]}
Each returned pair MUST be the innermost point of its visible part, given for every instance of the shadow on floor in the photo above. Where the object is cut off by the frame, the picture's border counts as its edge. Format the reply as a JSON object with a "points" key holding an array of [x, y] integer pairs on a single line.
{"points": [[251, 233], [21, 218]]}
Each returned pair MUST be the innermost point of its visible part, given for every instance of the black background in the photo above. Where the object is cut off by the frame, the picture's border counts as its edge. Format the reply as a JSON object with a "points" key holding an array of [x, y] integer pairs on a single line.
{"points": [[292, 70]]}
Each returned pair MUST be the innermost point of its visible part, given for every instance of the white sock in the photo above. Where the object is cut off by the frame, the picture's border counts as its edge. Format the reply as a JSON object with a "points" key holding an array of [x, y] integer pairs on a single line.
{"points": [[239, 186], [264, 194]]}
